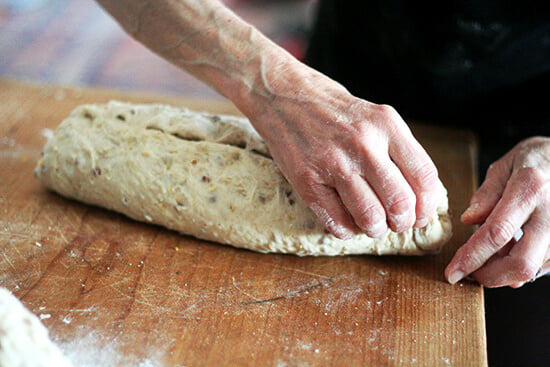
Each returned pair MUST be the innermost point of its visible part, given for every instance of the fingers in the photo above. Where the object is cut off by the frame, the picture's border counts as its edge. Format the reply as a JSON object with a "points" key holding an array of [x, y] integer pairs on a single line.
{"points": [[514, 196], [363, 204], [373, 189], [327, 206], [420, 173], [362, 172], [513, 209], [399, 171], [380, 199], [524, 259], [393, 191], [489, 193]]}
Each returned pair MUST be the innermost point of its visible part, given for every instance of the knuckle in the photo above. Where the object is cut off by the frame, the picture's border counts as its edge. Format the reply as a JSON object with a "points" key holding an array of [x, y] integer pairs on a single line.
{"points": [[401, 203], [534, 180], [306, 174], [341, 168], [370, 139], [341, 177], [369, 215], [335, 162], [387, 111], [495, 170], [500, 233], [493, 167], [524, 269], [426, 175], [307, 183], [388, 115]]}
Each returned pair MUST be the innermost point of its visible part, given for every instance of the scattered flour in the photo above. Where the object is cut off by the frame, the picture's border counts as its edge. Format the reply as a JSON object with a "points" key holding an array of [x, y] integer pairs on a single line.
{"points": [[91, 349], [47, 133]]}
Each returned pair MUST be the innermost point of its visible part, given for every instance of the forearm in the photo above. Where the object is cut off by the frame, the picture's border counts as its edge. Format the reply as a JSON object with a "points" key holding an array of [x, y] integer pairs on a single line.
{"points": [[212, 43]]}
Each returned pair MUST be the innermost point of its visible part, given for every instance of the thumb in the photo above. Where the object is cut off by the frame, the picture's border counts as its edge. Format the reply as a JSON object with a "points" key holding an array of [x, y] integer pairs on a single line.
{"points": [[489, 193]]}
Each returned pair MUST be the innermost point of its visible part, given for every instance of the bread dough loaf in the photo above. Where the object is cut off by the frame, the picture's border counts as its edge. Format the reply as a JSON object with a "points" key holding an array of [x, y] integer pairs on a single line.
{"points": [[209, 176], [24, 341]]}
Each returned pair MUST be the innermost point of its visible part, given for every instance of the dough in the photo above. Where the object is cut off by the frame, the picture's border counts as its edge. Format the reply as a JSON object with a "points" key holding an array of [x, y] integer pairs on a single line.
{"points": [[24, 340], [209, 176]]}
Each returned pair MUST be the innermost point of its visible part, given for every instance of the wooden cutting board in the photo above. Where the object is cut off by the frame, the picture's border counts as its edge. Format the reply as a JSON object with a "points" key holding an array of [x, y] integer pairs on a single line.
{"points": [[113, 291]]}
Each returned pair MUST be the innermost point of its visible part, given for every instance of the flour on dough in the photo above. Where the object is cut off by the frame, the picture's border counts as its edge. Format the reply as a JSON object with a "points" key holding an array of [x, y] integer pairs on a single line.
{"points": [[24, 341], [209, 176]]}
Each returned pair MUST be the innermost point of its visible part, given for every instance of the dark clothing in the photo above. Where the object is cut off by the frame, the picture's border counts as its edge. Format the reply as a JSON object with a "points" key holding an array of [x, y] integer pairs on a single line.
{"points": [[518, 325], [482, 65], [435, 60]]}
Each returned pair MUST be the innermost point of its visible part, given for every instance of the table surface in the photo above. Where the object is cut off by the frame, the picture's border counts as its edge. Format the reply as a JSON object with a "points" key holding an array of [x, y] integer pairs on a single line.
{"points": [[113, 291]]}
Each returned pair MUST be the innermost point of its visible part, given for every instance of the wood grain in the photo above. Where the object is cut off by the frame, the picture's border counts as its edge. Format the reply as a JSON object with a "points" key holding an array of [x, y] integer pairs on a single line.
{"points": [[117, 292]]}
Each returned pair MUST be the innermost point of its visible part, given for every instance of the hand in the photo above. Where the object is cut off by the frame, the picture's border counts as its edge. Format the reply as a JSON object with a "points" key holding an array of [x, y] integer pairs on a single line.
{"points": [[356, 164], [515, 195]]}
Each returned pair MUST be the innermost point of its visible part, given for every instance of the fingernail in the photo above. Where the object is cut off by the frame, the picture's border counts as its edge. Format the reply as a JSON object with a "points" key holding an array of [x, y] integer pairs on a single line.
{"points": [[341, 232], [422, 222], [468, 212], [398, 222], [471, 209], [429, 201], [378, 229], [455, 276]]}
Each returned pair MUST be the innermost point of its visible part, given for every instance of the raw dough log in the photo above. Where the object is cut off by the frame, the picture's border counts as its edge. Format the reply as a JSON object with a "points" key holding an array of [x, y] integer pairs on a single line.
{"points": [[24, 340], [209, 176]]}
